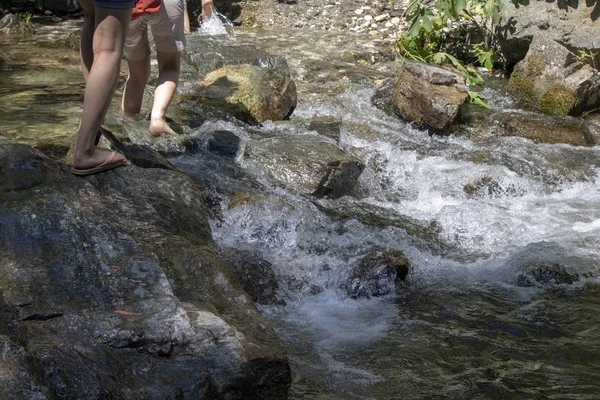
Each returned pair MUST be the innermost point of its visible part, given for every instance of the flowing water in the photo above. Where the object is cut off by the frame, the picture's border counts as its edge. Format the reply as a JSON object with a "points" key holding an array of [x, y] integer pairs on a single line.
{"points": [[473, 320]]}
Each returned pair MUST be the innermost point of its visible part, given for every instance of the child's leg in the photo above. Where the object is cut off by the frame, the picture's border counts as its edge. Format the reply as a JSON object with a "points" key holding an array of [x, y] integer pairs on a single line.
{"points": [[109, 37], [137, 53], [168, 77]]}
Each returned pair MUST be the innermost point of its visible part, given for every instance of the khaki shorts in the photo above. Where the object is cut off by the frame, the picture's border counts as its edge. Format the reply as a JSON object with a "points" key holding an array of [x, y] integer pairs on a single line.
{"points": [[167, 29]]}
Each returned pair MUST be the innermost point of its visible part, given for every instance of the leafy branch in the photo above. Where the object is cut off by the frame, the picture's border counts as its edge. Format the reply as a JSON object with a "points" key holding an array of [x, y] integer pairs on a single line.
{"points": [[430, 29]]}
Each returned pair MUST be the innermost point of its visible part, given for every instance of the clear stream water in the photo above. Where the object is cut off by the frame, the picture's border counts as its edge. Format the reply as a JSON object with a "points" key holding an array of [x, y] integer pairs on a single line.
{"points": [[463, 327]]}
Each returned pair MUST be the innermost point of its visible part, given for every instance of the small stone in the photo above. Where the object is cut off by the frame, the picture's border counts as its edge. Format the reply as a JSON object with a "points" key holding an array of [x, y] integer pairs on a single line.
{"points": [[358, 11], [382, 17]]}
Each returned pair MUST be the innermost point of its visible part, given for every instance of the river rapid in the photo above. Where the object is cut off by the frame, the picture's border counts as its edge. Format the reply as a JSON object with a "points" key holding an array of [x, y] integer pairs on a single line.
{"points": [[473, 321]]}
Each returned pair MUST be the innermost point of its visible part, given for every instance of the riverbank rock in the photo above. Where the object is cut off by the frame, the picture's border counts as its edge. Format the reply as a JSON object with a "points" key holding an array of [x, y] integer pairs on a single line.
{"points": [[8, 24], [111, 287], [378, 273], [303, 164], [252, 93], [553, 80], [542, 129], [428, 95], [573, 24]]}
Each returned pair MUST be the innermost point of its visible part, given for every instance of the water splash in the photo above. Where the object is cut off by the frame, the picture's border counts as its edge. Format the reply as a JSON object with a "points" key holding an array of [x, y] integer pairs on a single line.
{"points": [[216, 25]]}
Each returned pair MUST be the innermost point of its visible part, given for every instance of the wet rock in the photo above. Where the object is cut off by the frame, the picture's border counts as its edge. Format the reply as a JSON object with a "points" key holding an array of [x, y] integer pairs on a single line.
{"points": [[327, 125], [489, 187], [429, 95], [252, 93], [224, 143], [140, 155], [551, 79], [383, 96], [339, 178], [18, 171], [304, 164], [547, 263], [255, 275], [541, 129], [543, 273], [15, 381], [9, 24], [378, 274], [118, 272]]}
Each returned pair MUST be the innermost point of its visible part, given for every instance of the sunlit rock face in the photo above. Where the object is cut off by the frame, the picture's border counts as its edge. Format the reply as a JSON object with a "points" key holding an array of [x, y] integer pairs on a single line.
{"points": [[252, 93], [111, 288], [428, 95]]}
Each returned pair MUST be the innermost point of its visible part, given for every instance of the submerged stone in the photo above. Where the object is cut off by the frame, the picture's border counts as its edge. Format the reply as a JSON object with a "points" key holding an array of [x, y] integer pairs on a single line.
{"points": [[378, 273], [304, 164], [542, 273]]}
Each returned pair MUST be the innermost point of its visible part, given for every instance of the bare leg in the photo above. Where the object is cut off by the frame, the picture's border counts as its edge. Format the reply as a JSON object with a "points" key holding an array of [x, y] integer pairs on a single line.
{"points": [[186, 19], [133, 94], [168, 77], [109, 37], [86, 54]]}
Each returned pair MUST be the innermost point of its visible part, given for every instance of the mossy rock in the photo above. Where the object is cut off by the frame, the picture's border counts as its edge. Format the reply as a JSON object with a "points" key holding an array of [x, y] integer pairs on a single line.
{"points": [[558, 100], [537, 91], [521, 82], [251, 93]]}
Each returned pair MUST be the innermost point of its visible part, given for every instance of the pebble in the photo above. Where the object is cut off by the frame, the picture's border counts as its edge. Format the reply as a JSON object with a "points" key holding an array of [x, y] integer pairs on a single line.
{"points": [[379, 18]]}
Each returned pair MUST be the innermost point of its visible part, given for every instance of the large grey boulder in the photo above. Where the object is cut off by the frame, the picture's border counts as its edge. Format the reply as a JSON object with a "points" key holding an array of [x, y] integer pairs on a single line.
{"points": [[428, 95], [574, 24], [111, 287]]}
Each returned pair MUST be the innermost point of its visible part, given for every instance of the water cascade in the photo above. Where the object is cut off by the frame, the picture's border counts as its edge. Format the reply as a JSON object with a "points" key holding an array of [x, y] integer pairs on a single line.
{"points": [[503, 296]]}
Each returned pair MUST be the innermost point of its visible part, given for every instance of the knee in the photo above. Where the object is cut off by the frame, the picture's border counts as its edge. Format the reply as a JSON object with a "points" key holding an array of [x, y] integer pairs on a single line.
{"points": [[138, 77], [170, 62]]}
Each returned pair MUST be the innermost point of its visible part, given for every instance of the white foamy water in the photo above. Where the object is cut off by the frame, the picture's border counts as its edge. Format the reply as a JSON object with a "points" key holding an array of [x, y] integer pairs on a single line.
{"points": [[473, 316], [216, 25]]}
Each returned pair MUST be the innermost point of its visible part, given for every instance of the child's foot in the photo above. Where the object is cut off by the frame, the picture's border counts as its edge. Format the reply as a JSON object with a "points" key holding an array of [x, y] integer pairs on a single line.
{"points": [[160, 127], [100, 160]]}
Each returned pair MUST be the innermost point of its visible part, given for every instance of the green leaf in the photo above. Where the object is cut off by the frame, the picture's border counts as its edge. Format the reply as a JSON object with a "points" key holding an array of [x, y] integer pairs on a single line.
{"points": [[476, 98], [459, 5], [415, 28], [427, 24], [451, 8], [490, 9], [439, 58]]}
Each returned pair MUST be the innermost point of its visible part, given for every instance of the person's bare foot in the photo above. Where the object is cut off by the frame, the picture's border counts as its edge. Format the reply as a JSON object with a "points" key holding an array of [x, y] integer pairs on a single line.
{"points": [[160, 127]]}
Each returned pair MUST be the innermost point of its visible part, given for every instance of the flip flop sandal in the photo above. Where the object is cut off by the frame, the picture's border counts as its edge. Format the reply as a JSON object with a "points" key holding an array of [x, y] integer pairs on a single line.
{"points": [[106, 165]]}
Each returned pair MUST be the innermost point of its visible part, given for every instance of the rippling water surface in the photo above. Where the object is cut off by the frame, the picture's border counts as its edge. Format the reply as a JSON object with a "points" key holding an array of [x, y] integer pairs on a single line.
{"points": [[465, 326]]}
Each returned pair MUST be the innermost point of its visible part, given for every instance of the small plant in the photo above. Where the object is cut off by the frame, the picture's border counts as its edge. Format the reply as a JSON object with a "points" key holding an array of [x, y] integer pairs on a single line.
{"points": [[23, 24], [586, 57], [486, 57], [431, 28]]}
